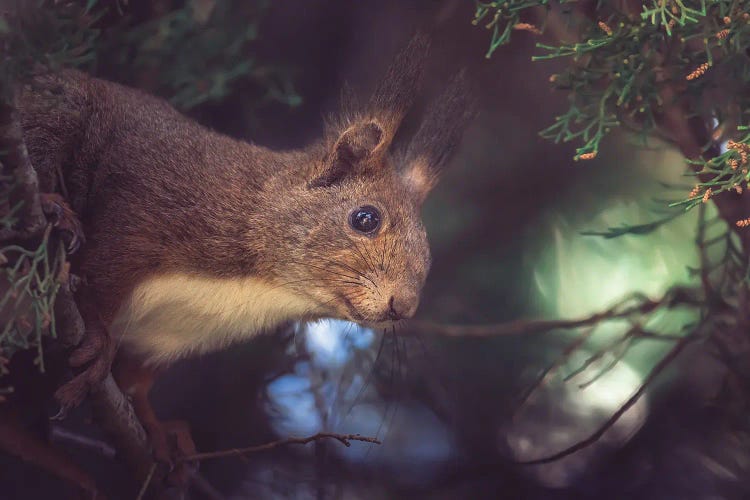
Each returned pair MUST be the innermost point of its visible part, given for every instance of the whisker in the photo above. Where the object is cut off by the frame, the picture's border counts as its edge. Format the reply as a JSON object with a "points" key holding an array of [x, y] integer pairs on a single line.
{"points": [[360, 274], [338, 264], [398, 377], [370, 253], [387, 405], [302, 280], [370, 257], [404, 356], [368, 378], [372, 269], [355, 246], [361, 253], [339, 394], [348, 331], [345, 266], [361, 258], [357, 283], [391, 255], [324, 269], [382, 257]]}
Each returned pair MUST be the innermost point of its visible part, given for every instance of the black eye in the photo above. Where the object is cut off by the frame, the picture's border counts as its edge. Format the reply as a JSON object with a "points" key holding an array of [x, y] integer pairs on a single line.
{"points": [[365, 219]]}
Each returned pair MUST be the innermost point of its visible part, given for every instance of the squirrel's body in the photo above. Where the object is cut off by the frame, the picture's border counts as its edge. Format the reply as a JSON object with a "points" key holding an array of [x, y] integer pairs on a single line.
{"points": [[169, 209], [195, 239]]}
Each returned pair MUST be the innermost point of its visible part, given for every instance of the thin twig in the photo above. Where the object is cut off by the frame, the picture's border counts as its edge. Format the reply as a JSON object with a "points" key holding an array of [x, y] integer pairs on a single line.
{"points": [[144, 486], [676, 296], [551, 370], [106, 450], [593, 438], [700, 241], [344, 439], [15, 160], [64, 435], [116, 416], [111, 407]]}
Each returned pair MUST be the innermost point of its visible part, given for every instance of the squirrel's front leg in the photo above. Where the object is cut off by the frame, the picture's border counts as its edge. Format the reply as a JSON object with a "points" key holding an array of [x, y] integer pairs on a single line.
{"points": [[170, 440], [63, 219], [92, 359]]}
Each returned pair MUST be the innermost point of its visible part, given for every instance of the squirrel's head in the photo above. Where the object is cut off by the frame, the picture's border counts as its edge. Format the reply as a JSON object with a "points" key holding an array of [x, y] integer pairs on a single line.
{"points": [[354, 243]]}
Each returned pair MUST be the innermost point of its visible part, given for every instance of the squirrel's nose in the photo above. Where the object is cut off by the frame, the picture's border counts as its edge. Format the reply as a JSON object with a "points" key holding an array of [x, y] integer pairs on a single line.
{"points": [[402, 305]]}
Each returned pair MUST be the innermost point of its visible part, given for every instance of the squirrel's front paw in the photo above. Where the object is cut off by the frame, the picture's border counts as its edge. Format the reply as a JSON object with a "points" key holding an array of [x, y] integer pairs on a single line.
{"points": [[94, 356], [172, 442], [63, 219]]}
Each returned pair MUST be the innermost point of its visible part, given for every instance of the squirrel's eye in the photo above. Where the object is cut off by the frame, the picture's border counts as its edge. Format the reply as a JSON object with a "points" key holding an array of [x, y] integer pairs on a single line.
{"points": [[365, 219]]}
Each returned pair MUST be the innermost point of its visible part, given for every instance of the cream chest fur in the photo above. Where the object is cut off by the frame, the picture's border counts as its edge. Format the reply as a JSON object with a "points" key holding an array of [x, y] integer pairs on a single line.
{"points": [[170, 317]]}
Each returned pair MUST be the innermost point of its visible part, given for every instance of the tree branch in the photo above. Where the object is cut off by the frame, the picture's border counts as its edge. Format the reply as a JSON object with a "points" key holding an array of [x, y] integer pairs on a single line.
{"points": [[676, 296], [344, 439], [115, 414], [63, 435], [691, 138], [111, 408], [624, 309], [104, 449], [16, 165], [593, 438]]}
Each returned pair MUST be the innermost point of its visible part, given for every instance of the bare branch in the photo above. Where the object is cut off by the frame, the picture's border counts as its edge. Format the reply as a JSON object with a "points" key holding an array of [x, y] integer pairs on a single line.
{"points": [[552, 369], [116, 416], [62, 435], [112, 409], [593, 438], [344, 439], [15, 163], [675, 297], [636, 331], [146, 483]]}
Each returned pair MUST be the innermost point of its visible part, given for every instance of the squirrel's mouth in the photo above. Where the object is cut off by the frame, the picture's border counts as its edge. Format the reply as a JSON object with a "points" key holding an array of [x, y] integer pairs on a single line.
{"points": [[355, 316]]}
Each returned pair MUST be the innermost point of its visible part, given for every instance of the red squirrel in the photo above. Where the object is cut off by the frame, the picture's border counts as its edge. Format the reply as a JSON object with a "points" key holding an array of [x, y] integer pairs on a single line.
{"points": [[196, 240]]}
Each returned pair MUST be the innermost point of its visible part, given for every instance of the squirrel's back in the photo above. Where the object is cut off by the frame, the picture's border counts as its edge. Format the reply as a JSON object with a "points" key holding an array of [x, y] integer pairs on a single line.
{"points": [[155, 190], [94, 129]]}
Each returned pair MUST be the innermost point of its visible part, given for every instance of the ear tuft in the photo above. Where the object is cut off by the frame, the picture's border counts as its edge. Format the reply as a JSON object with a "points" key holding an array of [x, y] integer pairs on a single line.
{"points": [[438, 136], [395, 93]]}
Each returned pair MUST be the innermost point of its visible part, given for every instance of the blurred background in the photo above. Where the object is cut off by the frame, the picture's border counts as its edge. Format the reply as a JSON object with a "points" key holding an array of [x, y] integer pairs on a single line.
{"points": [[506, 227]]}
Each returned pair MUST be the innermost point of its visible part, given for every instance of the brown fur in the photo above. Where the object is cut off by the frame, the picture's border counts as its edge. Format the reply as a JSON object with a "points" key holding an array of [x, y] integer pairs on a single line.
{"points": [[159, 194]]}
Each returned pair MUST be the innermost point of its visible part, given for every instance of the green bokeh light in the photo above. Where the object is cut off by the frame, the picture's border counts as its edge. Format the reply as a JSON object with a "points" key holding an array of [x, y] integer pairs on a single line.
{"points": [[575, 275]]}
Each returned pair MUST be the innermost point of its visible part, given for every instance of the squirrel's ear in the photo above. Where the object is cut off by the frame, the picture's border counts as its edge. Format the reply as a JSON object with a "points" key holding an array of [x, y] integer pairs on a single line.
{"points": [[351, 153], [437, 137]]}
